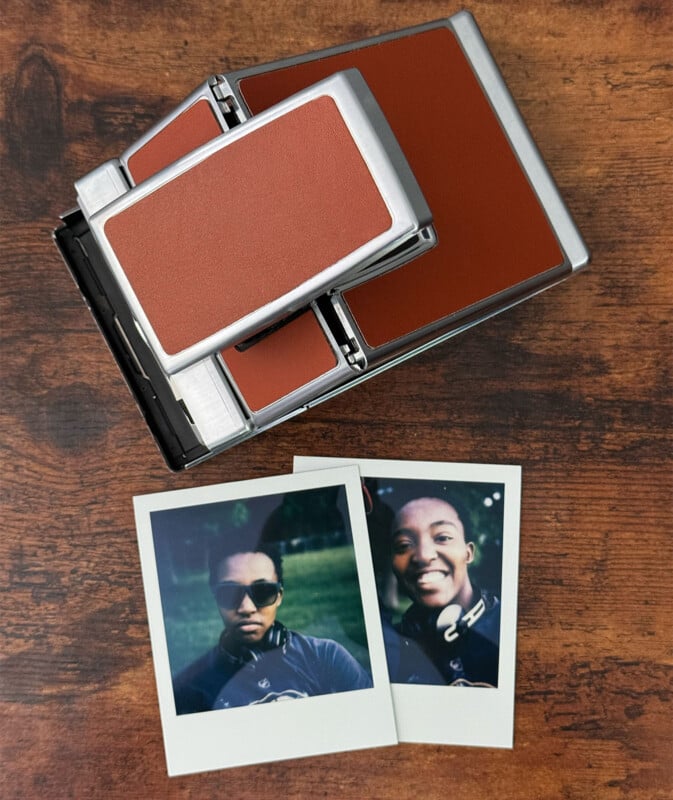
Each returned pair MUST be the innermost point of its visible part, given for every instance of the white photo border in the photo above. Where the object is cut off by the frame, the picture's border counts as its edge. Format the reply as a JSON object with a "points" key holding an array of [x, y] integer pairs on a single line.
{"points": [[310, 726], [474, 716]]}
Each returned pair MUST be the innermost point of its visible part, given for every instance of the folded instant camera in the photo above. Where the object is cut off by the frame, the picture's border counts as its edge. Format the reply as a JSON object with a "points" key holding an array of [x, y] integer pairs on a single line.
{"points": [[294, 228]]}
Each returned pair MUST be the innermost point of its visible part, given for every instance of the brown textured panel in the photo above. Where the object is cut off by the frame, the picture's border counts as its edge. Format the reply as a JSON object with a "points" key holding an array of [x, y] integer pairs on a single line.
{"points": [[290, 357], [194, 127], [249, 224], [492, 232]]}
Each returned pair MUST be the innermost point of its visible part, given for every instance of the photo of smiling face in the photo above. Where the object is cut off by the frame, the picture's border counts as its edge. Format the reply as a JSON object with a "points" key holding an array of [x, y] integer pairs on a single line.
{"points": [[430, 554], [245, 621]]}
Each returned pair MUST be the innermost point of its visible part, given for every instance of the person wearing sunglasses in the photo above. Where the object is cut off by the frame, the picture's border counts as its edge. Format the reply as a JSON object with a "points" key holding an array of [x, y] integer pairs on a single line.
{"points": [[450, 633], [257, 659]]}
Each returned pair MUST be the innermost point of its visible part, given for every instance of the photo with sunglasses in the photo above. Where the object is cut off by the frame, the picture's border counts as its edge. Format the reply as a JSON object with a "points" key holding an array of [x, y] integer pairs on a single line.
{"points": [[261, 600]]}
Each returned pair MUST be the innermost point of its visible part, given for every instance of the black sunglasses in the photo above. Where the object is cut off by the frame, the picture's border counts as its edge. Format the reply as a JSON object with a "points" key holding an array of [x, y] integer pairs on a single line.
{"points": [[230, 594]]}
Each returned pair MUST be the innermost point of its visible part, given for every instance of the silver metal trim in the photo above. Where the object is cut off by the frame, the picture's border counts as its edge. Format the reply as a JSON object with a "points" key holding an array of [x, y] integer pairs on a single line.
{"points": [[519, 136], [426, 239], [217, 417], [100, 187]]}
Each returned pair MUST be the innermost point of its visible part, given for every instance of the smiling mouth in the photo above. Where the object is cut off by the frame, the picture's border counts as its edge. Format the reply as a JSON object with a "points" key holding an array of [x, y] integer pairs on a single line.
{"points": [[430, 578]]}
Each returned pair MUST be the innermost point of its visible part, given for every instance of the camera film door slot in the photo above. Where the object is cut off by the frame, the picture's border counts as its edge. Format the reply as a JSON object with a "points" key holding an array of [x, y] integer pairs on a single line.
{"points": [[260, 221]]}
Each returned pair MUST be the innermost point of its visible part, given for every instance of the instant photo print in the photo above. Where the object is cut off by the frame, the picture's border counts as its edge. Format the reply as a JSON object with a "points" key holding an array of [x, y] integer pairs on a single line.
{"points": [[263, 616], [296, 227], [445, 547]]}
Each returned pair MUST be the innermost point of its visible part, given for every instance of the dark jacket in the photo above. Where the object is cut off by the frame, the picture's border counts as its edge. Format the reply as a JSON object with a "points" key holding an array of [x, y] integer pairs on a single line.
{"points": [[465, 654], [285, 665]]}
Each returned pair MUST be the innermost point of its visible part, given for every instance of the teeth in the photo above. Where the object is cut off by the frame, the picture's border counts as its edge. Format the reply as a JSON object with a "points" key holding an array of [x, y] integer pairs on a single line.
{"points": [[430, 577]]}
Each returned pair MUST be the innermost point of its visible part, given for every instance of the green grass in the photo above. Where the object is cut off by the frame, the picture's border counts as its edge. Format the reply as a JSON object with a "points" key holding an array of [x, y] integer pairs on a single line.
{"points": [[322, 598]]}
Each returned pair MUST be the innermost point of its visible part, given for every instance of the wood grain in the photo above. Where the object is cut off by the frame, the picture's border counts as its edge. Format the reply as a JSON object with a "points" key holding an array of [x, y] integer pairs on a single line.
{"points": [[575, 385]]}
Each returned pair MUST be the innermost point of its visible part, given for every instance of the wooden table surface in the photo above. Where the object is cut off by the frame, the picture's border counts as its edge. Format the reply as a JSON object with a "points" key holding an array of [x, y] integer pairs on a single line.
{"points": [[574, 385]]}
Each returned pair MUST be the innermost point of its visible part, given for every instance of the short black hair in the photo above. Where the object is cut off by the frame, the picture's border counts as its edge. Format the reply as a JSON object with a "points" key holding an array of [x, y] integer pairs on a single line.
{"points": [[231, 544], [459, 507]]}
